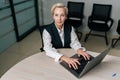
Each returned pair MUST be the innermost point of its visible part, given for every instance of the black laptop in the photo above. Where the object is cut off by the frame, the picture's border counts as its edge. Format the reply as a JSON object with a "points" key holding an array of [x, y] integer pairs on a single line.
{"points": [[85, 65]]}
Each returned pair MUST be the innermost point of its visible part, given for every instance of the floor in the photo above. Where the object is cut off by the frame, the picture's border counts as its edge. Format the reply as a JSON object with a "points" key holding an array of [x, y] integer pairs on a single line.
{"points": [[32, 43]]}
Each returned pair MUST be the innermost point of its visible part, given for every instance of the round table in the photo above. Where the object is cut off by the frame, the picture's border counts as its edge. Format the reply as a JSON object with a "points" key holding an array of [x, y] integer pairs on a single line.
{"points": [[41, 67]]}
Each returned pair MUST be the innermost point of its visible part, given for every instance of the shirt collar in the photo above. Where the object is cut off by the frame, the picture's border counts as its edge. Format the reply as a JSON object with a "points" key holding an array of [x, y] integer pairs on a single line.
{"points": [[61, 29]]}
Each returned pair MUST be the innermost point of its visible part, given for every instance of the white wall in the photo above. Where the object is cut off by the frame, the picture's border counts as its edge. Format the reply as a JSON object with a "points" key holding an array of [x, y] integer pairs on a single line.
{"points": [[47, 4]]}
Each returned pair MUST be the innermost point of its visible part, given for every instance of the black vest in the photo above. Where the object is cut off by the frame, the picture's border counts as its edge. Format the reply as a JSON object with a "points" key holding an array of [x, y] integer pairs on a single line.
{"points": [[56, 40]]}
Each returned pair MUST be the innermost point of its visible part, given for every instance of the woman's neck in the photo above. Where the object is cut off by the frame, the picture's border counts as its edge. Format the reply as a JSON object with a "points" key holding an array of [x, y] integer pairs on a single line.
{"points": [[59, 26]]}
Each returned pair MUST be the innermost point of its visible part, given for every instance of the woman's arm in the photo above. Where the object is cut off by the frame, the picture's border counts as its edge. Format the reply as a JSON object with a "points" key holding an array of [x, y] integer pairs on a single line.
{"points": [[50, 51], [75, 44]]}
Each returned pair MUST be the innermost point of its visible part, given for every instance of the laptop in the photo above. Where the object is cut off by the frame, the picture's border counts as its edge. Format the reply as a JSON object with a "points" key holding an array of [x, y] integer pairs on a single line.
{"points": [[86, 65]]}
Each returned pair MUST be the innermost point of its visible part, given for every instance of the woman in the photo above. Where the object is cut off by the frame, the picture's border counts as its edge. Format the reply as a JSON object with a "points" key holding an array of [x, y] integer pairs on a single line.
{"points": [[60, 34]]}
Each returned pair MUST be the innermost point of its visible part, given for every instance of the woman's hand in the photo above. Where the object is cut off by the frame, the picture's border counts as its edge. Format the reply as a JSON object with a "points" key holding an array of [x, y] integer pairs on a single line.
{"points": [[83, 53], [72, 62]]}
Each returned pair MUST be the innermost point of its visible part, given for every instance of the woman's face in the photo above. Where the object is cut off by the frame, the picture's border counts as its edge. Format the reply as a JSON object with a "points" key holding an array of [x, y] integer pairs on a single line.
{"points": [[59, 17]]}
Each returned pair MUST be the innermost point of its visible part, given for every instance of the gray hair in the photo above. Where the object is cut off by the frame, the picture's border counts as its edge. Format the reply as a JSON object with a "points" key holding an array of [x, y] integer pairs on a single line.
{"points": [[59, 5]]}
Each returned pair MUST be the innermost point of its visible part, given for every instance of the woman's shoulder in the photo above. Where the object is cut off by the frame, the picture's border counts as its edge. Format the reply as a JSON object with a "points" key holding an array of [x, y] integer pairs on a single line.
{"points": [[48, 25]]}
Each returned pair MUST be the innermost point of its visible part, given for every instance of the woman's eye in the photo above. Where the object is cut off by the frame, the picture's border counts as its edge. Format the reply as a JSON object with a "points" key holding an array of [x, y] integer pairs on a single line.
{"points": [[63, 15], [56, 14]]}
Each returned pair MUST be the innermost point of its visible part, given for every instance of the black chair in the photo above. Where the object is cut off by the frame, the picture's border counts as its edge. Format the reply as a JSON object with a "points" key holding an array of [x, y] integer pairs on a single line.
{"points": [[75, 15], [41, 28], [100, 20], [115, 40]]}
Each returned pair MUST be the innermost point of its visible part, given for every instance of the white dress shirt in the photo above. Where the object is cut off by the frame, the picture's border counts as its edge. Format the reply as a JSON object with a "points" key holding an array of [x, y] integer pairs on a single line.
{"points": [[51, 51]]}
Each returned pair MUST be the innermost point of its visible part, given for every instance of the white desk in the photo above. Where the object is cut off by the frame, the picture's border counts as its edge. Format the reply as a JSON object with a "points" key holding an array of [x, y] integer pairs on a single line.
{"points": [[42, 67]]}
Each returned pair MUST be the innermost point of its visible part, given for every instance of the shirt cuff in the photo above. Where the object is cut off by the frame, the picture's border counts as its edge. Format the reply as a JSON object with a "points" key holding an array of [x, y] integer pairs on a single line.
{"points": [[57, 59], [78, 47], [83, 49]]}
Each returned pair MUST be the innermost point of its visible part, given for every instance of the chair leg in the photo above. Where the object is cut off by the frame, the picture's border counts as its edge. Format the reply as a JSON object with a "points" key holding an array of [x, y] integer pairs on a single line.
{"points": [[106, 40], [87, 35], [79, 36], [78, 33], [114, 42]]}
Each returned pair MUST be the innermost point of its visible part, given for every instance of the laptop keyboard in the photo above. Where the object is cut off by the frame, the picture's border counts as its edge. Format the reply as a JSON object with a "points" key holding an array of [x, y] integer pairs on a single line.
{"points": [[83, 62]]}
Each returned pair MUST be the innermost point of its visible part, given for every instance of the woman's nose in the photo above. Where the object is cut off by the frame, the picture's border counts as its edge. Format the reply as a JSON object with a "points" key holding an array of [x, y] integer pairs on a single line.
{"points": [[59, 17]]}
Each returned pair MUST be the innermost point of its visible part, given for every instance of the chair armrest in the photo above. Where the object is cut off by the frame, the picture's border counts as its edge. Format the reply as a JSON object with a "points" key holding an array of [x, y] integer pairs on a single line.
{"points": [[41, 28], [110, 21], [89, 19]]}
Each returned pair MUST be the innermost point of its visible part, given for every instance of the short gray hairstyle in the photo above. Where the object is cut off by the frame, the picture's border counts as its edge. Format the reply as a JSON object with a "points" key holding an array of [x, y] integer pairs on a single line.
{"points": [[59, 5]]}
